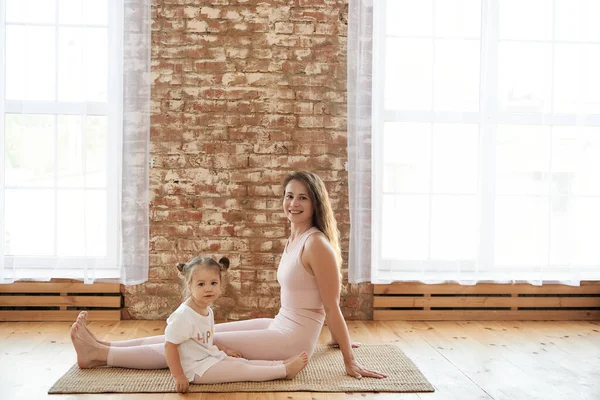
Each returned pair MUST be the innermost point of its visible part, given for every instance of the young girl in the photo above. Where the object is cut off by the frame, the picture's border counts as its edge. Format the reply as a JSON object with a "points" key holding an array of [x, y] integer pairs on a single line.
{"points": [[190, 353]]}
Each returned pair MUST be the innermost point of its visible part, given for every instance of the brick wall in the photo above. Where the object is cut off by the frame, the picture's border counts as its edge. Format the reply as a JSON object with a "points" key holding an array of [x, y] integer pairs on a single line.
{"points": [[244, 91]]}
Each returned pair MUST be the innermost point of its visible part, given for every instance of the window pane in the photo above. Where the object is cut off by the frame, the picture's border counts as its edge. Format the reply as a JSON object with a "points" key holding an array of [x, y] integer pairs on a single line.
{"points": [[576, 78], [405, 227], [30, 11], [524, 74], [30, 63], [83, 64], [71, 64], [409, 17], [455, 158], [29, 228], [406, 157], [81, 151], [457, 18], [95, 152], [454, 227], [576, 160], [83, 12], [521, 231], [456, 75], [522, 160], [81, 217], [408, 74], [29, 146], [577, 20], [70, 151], [96, 71], [525, 19], [575, 231]]}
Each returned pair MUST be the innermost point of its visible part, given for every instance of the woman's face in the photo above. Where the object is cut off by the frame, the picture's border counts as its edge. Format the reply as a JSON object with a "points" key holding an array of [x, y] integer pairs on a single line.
{"points": [[297, 206]]}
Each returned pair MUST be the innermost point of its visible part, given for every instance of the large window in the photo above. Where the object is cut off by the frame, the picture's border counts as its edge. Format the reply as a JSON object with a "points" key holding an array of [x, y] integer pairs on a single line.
{"points": [[60, 127], [486, 140]]}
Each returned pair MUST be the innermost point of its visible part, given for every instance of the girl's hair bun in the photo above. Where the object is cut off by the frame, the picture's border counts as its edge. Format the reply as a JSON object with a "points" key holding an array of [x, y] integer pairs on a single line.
{"points": [[224, 263], [180, 267]]}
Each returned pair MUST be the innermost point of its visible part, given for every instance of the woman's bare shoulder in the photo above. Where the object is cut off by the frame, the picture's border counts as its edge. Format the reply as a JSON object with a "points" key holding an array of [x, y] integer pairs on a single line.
{"points": [[318, 243]]}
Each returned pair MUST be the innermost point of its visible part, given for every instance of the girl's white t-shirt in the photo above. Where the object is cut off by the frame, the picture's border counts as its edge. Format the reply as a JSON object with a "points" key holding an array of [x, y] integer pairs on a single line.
{"points": [[194, 335]]}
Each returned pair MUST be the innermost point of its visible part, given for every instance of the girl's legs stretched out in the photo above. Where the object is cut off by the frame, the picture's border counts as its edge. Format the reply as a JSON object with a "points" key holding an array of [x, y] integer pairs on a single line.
{"points": [[291, 332], [240, 370], [144, 353], [82, 319]]}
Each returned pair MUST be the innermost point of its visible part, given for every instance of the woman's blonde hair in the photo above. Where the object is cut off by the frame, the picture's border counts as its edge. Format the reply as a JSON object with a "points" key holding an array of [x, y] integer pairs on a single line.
{"points": [[323, 217], [186, 270]]}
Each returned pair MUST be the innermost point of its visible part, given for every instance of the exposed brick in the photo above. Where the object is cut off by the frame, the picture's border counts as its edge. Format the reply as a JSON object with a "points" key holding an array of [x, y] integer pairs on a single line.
{"points": [[244, 91]]}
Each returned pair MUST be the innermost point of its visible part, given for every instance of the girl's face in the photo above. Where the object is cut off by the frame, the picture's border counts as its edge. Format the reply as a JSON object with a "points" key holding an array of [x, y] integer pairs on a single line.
{"points": [[297, 206], [205, 286]]}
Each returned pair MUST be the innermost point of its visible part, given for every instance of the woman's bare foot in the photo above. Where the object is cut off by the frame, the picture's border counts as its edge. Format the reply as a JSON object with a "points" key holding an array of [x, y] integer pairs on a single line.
{"points": [[89, 353], [82, 319], [295, 364]]}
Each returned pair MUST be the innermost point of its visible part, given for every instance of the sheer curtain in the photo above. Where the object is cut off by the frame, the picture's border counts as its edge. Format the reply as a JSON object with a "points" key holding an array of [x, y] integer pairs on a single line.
{"points": [[135, 224], [74, 140], [485, 141], [360, 55]]}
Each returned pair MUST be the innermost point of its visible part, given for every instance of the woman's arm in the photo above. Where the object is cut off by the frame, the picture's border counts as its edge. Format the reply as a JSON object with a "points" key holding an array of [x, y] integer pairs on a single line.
{"points": [[174, 363], [319, 256], [334, 343]]}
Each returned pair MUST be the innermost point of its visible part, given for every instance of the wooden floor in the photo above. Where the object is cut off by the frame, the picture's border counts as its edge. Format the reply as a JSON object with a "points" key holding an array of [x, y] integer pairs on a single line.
{"points": [[463, 360]]}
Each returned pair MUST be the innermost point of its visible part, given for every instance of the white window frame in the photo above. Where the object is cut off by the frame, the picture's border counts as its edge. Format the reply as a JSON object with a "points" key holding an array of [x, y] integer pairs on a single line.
{"points": [[489, 118], [107, 267]]}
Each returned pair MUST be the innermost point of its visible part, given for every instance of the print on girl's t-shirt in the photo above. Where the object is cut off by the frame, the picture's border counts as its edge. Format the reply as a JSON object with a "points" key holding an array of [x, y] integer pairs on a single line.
{"points": [[204, 337]]}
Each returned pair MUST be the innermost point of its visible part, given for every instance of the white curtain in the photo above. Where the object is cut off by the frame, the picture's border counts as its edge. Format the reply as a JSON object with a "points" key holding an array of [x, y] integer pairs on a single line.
{"points": [[360, 44], [485, 142], [74, 140], [135, 224]]}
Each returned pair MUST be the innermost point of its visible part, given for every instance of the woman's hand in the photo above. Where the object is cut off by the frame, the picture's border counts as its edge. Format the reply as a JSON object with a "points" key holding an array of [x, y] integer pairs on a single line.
{"points": [[181, 384], [334, 344], [232, 353], [355, 370]]}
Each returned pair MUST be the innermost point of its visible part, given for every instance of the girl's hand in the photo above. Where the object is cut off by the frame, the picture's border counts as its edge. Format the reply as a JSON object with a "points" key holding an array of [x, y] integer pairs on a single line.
{"points": [[181, 384], [232, 353], [334, 344], [355, 370]]}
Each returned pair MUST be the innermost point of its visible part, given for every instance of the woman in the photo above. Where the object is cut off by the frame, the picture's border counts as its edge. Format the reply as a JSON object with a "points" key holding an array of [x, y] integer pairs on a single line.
{"points": [[310, 279]]}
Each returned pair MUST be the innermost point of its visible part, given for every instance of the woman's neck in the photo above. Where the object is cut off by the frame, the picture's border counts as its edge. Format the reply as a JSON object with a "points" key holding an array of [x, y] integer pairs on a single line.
{"points": [[298, 229]]}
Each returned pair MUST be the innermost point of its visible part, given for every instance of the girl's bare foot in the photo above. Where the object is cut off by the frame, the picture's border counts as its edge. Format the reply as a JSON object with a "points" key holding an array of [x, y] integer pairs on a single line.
{"points": [[82, 319], [89, 353], [295, 364]]}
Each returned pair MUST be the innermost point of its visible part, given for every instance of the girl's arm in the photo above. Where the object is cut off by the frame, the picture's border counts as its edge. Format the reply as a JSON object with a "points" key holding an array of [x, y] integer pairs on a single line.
{"points": [[174, 363], [228, 351], [319, 256]]}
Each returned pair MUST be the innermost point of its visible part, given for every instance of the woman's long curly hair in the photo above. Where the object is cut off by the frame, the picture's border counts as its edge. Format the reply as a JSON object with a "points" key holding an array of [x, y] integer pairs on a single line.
{"points": [[323, 217]]}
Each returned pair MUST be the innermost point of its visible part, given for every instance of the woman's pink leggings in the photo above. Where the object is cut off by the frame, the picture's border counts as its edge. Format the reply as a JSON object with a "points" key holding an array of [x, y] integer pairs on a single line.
{"points": [[291, 332]]}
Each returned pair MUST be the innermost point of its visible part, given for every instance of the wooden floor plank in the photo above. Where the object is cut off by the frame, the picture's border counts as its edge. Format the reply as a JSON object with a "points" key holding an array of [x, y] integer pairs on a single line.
{"points": [[487, 369], [450, 383], [548, 368], [463, 360]]}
